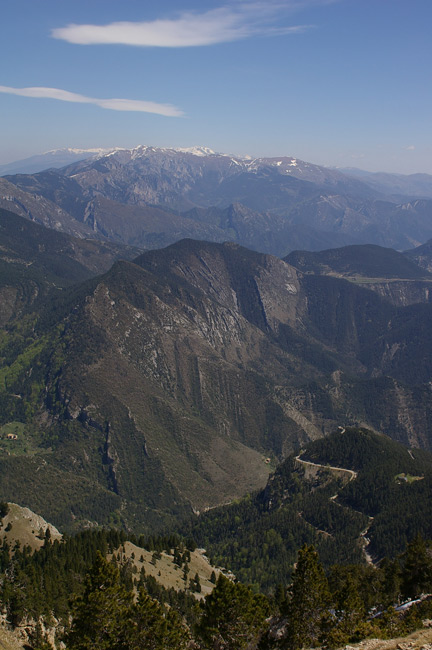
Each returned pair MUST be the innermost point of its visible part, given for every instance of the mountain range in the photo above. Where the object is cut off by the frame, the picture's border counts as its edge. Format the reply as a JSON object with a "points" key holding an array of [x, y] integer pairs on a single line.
{"points": [[396, 185], [149, 384], [34, 260], [53, 159], [150, 197], [176, 381], [227, 348], [402, 279]]}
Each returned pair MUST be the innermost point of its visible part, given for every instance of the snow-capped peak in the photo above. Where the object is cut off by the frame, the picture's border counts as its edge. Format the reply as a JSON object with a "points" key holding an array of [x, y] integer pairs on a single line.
{"points": [[197, 151], [72, 150]]}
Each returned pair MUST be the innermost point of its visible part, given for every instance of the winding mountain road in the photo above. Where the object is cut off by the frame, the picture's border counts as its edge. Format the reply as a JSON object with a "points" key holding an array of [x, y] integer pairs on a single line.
{"points": [[351, 472], [352, 475]]}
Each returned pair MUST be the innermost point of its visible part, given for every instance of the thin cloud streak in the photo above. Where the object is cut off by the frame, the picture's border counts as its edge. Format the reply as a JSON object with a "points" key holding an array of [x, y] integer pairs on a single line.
{"points": [[114, 104], [189, 29]]}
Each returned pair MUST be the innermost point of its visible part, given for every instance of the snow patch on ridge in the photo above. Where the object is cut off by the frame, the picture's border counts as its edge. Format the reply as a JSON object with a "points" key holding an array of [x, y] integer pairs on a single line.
{"points": [[72, 150], [197, 151]]}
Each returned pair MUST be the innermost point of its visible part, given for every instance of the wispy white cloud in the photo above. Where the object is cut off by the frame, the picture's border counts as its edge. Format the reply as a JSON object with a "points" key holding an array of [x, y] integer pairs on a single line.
{"points": [[189, 29], [112, 104], [410, 147]]}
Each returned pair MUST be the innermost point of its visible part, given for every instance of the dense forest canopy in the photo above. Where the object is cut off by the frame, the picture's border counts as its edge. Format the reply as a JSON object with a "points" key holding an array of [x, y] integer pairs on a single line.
{"points": [[101, 603]]}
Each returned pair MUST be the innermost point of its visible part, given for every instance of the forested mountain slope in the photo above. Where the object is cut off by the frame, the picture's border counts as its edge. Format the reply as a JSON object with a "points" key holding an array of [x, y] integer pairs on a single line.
{"points": [[35, 261], [164, 384], [379, 499]]}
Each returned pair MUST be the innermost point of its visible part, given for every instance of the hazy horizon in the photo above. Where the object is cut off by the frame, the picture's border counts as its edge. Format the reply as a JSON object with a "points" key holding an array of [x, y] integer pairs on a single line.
{"points": [[36, 156]]}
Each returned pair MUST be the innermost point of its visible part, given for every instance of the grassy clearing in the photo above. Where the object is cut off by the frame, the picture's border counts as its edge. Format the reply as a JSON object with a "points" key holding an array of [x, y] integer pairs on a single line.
{"points": [[23, 525], [407, 478], [16, 428], [165, 571], [26, 443]]}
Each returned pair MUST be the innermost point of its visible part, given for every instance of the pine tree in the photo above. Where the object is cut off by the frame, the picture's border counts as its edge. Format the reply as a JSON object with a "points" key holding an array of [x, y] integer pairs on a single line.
{"points": [[234, 617], [309, 601], [347, 623], [197, 583], [154, 628], [185, 573], [100, 615], [39, 640], [417, 568], [391, 581]]}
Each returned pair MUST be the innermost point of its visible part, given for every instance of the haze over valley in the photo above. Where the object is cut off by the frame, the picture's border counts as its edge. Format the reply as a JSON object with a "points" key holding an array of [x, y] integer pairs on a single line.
{"points": [[232, 347], [215, 326]]}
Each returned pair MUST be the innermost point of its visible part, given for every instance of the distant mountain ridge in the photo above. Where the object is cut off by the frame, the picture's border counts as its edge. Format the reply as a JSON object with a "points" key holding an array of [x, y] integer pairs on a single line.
{"points": [[63, 157], [401, 278], [368, 261], [419, 185], [35, 260], [151, 197], [55, 159], [182, 179]]}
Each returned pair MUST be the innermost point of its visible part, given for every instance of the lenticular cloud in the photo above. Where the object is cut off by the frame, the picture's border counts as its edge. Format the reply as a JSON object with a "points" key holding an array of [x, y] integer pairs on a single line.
{"points": [[187, 30], [115, 104]]}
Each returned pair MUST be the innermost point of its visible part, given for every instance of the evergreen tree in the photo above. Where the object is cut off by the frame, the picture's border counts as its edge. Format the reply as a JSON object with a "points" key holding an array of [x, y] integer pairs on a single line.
{"points": [[153, 628], [100, 615], [233, 618], [185, 573], [38, 639], [280, 598], [391, 581], [309, 601], [195, 584], [417, 568], [349, 615]]}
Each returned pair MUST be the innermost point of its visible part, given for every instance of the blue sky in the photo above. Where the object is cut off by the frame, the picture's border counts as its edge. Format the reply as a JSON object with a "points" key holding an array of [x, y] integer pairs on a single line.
{"points": [[334, 82]]}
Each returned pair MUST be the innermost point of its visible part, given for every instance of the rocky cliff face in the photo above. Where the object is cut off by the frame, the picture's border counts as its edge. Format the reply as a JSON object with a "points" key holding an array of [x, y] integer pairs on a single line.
{"points": [[422, 255], [181, 360], [397, 277], [168, 381], [404, 293], [36, 207]]}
